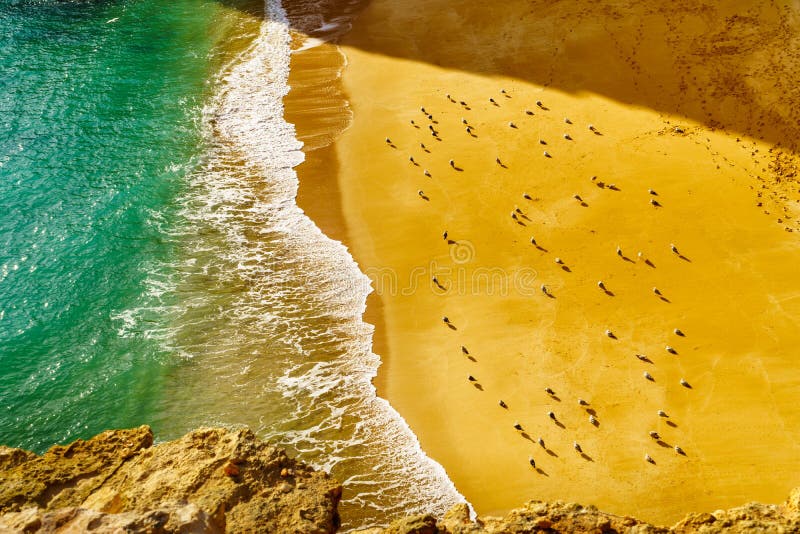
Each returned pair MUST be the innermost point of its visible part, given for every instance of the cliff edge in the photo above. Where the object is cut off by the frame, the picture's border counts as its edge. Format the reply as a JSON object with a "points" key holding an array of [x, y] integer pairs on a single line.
{"points": [[214, 480], [211, 480]]}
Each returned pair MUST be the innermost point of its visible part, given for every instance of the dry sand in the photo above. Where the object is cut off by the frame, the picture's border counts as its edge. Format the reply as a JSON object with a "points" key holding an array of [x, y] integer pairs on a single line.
{"points": [[692, 100]]}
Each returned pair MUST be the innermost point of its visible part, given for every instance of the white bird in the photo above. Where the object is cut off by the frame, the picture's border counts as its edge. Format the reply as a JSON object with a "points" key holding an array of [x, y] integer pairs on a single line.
{"points": [[546, 154], [648, 459], [591, 127], [601, 285], [648, 376], [551, 415], [679, 450], [576, 446], [566, 120], [559, 261], [671, 350], [533, 242], [684, 383], [673, 248], [583, 402], [619, 251], [609, 333], [540, 441], [654, 434], [642, 357], [678, 332], [592, 420], [662, 413], [452, 163], [549, 391], [544, 289], [427, 173], [532, 462], [115, 19]]}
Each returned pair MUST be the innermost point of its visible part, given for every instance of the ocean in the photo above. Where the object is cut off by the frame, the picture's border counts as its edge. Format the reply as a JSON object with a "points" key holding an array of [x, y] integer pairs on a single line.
{"points": [[155, 268]]}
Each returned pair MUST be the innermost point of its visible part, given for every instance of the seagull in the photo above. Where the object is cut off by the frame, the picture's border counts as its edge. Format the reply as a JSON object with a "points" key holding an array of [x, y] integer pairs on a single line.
{"points": [[648, 459], [576, 446], [654, 434], [648, 376], [662, 413], [115, 19], [583, 402], [540, 441], [517, 426], [532, 462], [601, 285]]}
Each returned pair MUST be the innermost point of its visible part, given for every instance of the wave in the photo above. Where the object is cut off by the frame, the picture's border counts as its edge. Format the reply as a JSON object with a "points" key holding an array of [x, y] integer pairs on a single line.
{"points": [[267, 310]]}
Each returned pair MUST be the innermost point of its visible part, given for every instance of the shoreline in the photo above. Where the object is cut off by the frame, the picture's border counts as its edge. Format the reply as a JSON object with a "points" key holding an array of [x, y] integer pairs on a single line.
{"points": [[315, 75], [520, 343]]}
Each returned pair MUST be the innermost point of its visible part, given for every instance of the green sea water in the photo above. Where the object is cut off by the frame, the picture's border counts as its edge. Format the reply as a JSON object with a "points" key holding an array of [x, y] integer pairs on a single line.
{"points": [[99, 125]]}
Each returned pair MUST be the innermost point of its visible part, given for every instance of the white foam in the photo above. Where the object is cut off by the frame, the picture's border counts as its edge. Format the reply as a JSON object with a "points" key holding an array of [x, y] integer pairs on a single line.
{"points": [[287, 291]]}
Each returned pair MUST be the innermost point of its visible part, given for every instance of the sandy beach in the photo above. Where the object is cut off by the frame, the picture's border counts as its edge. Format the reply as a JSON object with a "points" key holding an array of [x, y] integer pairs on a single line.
{"points": [[656, 178]]}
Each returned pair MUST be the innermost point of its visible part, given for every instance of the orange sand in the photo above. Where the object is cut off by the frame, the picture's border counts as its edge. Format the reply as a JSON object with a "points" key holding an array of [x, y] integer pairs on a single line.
{"points": [[635, 73]]}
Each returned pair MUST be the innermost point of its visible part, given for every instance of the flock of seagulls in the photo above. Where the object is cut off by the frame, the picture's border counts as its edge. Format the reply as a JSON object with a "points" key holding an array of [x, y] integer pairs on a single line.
{"points": [[519, 216]]}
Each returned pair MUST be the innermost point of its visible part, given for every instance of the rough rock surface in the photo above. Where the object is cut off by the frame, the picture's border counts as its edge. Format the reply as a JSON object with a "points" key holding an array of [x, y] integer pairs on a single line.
{"points": [[569, 518], [211, 480], [215, 480]]}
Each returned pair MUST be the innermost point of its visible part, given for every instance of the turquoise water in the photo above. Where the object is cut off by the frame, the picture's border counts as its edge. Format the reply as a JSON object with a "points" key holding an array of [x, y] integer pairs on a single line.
{"points": [[98, 128]]}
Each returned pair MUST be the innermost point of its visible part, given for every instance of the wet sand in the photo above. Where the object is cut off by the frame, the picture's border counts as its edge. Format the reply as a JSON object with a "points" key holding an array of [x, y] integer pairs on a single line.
{"points": [[677, 98]]}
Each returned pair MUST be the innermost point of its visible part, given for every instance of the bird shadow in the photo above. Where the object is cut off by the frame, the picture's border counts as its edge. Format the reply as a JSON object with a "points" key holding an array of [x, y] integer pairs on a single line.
{"points": [[528, 112], [521, 223], [542, 248], [550, 295], [684, 258], [503, 165], [415, 164], [440, 286], [626, 258], [645, 359], [472, 359], [665, 299], [664, 444], [544, 108], [596, 132], [650, 378], [587, 457], [609, 293], [583, 202], [459, 169], [552, 453], [526, 436], [566, 268], [649, 264], [425, 198], [451, 326], [560, 424], [392, 145], [614, 188], [542, 472], [672, 424], [555, 398], [478, 386], [591, 411], [612, 335], [687, 385]]}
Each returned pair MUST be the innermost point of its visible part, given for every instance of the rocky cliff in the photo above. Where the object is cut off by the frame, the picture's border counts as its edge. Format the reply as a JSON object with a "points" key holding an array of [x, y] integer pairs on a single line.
{"points": [[211, 480], [215, 480]]}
